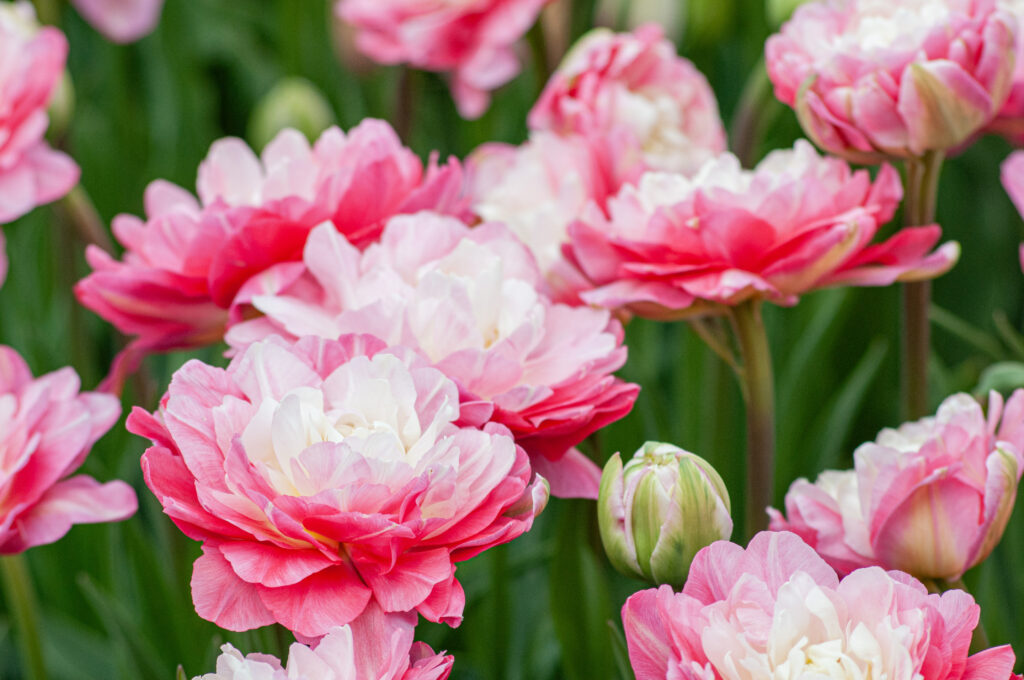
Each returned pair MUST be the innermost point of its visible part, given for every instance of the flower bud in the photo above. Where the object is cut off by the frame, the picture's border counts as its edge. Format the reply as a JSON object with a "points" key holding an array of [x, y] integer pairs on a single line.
{"points": [[291, 103], [659, 510]]}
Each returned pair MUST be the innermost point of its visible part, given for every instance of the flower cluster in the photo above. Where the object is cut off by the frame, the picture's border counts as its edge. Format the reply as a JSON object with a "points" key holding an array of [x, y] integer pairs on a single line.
{"points": [[189, 261]]}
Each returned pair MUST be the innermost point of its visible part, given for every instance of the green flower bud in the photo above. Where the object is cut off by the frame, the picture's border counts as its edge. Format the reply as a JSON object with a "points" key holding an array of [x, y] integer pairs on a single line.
{"points": [[291, 103], [658, 510]]}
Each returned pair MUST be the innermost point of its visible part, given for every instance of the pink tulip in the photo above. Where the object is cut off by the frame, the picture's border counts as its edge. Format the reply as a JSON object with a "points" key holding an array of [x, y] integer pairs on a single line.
{"points": [[373, 647], [46, 430], [562, 175], [470, 301], [1012, 175], [633, 90], [474, 41], [31, 173], [931, 498], [776, 610], [675, 247], [871, 80], [122, 21], [186, 263], [326, 474]]}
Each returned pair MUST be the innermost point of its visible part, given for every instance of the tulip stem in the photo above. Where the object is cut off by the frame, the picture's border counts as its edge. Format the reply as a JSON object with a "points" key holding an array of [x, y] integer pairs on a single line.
{"points": [[539, 54], [711, 333], [78, 209], [750, 118], [21, 603], [758, 388], [47, 11], [919, 210]]}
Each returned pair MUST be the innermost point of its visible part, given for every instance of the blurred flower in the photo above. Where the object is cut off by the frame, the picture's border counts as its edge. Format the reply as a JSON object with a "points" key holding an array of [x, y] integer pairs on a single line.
{"points": [[871, 79], [1010, 120], [471, 301], [1012, 175], [659, 510], [675, 247], [122, 21], [186, 264], [31, 173], [292, 103], [931, 498], [46, 430], [323, 474], [633, 90], [562, 175], [474, 41], [776, 610], [373, 647]]}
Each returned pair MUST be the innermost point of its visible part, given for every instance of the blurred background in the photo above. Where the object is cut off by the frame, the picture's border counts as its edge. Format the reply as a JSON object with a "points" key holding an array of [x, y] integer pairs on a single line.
{"points": [[115, 598]]}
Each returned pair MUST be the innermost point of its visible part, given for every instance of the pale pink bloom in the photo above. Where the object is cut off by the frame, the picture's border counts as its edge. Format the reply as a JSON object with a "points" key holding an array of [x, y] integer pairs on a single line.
{"points": [[470, 301], [46, 430], [871, 79], [931, 498], [186, 263], [633, 90], [31, 173], [376, 646], [776, 610], [1012, 175], [675, 246], [1010, 121], [474, 41], [561, 175], [323, 474], [122, 21]]}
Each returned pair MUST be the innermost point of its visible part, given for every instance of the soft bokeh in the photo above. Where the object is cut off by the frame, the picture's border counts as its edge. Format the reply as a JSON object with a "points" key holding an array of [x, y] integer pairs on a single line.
{"points": [[474, 42], [31, 172], [122, 21]]}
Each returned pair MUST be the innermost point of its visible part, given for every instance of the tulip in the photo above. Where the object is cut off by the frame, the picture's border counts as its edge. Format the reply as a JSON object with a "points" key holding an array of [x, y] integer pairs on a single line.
{"points": [[658, 510], [931, 498]]}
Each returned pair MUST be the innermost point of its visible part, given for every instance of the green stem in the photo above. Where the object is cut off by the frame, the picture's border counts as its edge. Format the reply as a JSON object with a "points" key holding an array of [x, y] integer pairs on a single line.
{"points": [[48, 11], [759, 393], [21, 603], [979, 639], [405, 103], [539, 53], [922, 187], [747, 122], [78, 209], [502, 614]]}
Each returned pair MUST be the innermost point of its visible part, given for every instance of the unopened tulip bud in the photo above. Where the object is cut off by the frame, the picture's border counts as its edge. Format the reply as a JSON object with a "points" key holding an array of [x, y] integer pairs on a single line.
{"points": [[658, 510], [291, 103]]}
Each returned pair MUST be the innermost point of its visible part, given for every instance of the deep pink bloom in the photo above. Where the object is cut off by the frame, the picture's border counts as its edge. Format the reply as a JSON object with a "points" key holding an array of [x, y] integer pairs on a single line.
{"points": [[376, 646], [776, 610], [31, 173], [633, 90], [46, 430], [871, 79], [474, 41], [185, 265], [675, 247], [470, 301], [324, 474], [931, 498], [122, 21]]}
